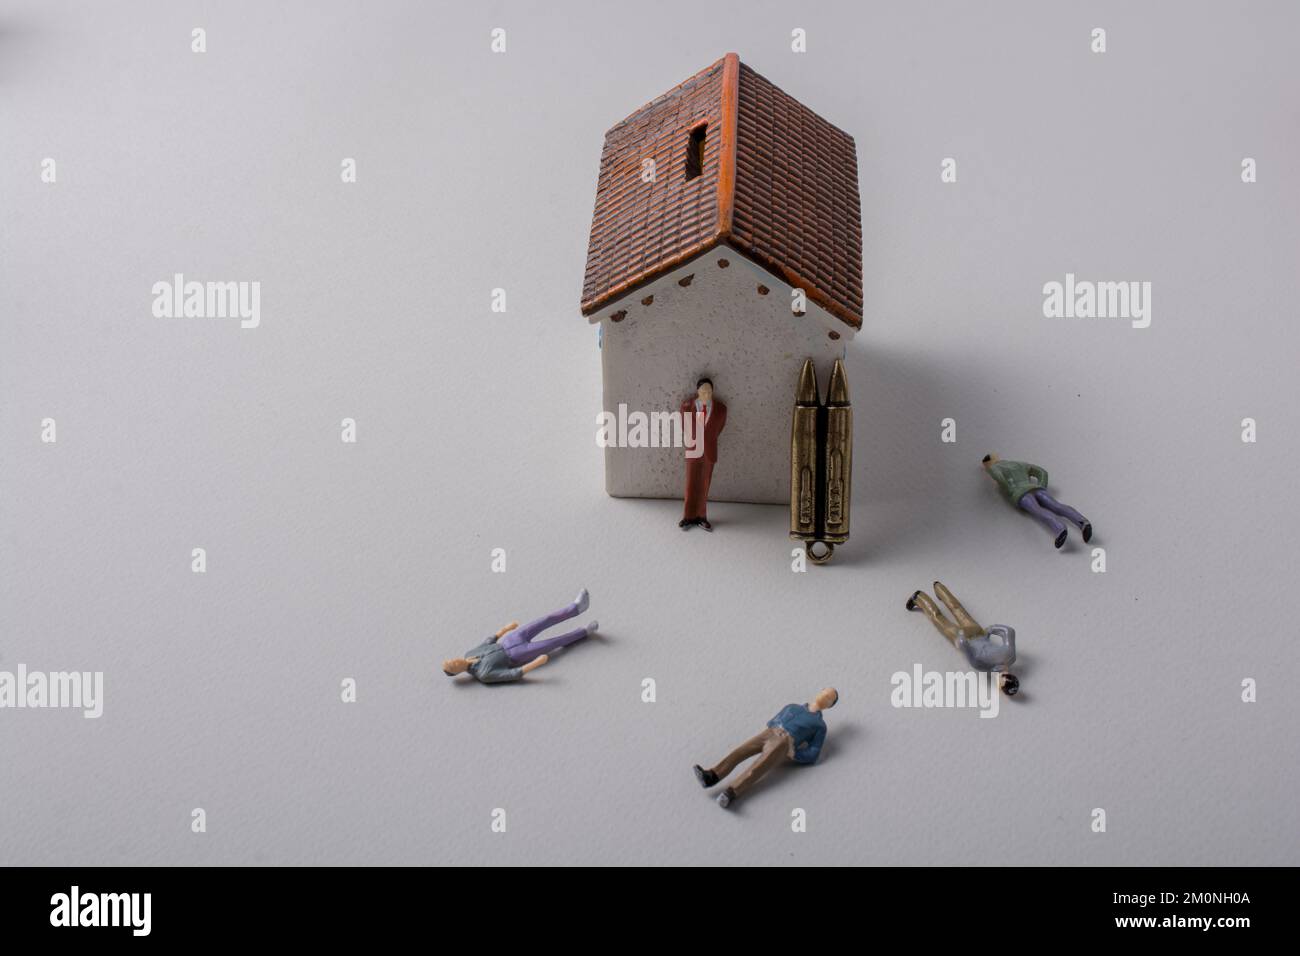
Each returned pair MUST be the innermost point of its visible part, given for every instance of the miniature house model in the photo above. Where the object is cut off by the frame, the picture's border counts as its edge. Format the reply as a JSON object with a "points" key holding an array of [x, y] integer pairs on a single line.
{"points": [[726, 242]]}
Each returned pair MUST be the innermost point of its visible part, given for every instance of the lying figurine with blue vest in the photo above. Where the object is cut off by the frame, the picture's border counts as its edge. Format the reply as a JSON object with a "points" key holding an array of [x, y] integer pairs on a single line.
{"points": [[795, 734]]}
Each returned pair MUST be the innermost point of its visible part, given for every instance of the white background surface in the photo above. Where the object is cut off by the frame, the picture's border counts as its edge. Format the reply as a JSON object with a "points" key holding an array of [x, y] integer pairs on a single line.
{"points": [[476, 430]]}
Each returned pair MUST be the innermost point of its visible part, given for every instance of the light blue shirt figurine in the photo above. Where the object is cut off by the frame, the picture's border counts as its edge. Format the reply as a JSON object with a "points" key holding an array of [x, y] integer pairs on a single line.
{"points": [[988, 649]]}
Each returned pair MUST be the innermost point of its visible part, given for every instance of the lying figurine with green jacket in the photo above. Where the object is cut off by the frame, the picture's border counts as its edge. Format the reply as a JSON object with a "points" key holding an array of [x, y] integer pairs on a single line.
{"points": [[1025, 486]]}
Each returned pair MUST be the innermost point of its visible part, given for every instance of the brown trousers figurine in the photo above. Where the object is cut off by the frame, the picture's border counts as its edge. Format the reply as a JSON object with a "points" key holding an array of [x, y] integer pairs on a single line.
{"points": [[772, 746], [795, 734]]}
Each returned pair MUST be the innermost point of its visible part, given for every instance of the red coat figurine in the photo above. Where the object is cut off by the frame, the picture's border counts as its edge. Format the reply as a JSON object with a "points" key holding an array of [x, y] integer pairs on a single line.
{"points": [[701, 455]]}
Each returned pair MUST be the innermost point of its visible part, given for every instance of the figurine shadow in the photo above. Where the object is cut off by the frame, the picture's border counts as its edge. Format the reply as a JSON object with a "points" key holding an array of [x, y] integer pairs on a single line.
{"points": [[894, 394], [460, 682], [1076, 543], [1024, 664], [743, 514], [908, 484], [845, 732], [534, 679]]}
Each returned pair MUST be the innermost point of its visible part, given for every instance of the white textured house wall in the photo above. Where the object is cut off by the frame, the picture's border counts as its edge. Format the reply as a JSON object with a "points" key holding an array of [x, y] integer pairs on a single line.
{"points": [[751, 345]]}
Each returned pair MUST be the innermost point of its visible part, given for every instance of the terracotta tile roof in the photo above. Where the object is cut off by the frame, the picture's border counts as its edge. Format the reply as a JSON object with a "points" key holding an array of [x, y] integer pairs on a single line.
{"points": [[777, 182]]}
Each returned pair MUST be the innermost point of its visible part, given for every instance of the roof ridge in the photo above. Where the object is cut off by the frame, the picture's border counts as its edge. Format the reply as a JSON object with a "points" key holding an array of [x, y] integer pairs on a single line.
{"points": [[730, 109], [663, 96]]}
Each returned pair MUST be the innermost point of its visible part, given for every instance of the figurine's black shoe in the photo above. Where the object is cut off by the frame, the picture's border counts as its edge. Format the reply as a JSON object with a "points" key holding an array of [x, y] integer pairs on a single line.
{"points": [[1087, 531], [911, 602], [1010, 684], [704, 523], [685, 524], [707, 778], [726, 798], [1060, 538]]}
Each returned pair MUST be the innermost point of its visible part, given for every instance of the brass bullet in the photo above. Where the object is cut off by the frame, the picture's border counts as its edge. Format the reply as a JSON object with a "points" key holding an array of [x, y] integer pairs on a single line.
{"points": [[803, 455], [821, 463], [838, 456]]}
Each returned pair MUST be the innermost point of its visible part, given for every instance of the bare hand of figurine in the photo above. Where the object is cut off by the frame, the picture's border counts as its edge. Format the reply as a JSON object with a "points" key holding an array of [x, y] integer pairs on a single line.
{"points": [[535, 663]]}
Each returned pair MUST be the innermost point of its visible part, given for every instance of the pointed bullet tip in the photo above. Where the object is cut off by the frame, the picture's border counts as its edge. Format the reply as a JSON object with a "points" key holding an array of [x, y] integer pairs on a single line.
{"points": [[806, 394], [837, 393]]}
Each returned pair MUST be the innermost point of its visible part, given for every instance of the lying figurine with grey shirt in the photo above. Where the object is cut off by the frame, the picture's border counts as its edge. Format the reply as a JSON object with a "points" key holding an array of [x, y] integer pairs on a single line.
{"points": [[977, 643], [512, 652]]}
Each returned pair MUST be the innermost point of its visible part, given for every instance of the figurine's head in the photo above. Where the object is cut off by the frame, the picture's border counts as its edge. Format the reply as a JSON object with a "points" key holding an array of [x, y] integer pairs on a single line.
{"points": [[704, 390], [826, 699], [1010, 684], [990, 460], [454, 666]]}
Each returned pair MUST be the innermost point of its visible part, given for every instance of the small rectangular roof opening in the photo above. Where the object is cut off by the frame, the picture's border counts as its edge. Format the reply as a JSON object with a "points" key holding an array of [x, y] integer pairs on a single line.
{"points": [[695, 151]]}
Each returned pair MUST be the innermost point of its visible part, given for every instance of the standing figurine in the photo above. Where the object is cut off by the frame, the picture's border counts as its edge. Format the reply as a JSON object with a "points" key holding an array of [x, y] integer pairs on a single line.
{"points": [[796, 733], [511, 653], [984, 653], [702, 410], [1025, 485]]}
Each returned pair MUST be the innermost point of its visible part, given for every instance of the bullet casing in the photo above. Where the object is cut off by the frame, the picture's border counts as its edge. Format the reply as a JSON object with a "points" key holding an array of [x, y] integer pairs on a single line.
{"points": [[803, 456], [821, 459], [838, 460]]}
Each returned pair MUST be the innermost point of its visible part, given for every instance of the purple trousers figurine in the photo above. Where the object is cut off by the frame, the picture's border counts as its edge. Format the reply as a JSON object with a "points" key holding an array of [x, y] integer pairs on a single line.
{"points": [[520, 647], [1046, 508], [1025, 485]]}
